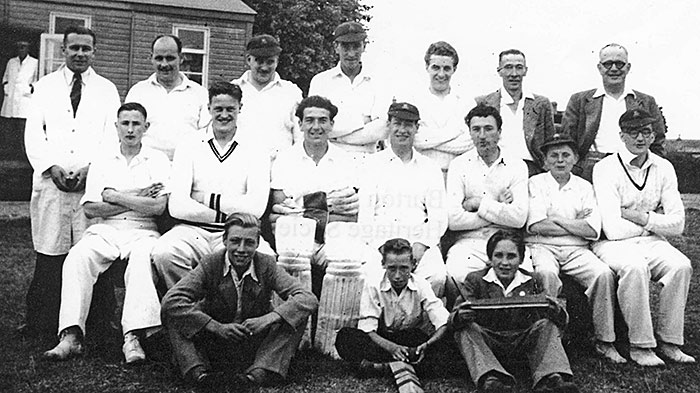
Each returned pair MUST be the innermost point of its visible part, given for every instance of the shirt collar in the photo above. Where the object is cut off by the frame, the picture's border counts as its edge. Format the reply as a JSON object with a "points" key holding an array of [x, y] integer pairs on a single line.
{"points": [[186, 82], [209, 135], [245, 80], [385, 285], [68, 75], [500, 160], [331, 153], [553, 183], [146, 153], [364, 73], [600, 91], [249, 272], [391, 156], [507, 99], [518, 280], [627, 158]]}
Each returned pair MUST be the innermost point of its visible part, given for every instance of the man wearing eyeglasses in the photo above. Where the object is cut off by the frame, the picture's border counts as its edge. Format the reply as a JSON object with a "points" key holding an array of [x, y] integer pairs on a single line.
{"points": [[527, 118], [591, 116], [639, 202]]}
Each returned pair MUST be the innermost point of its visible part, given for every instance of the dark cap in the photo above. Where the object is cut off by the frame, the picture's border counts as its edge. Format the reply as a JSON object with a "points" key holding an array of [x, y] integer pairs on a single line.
{"points": [[635, 118], [558, 140], [349, 32], [263, 45], [404, 111]]}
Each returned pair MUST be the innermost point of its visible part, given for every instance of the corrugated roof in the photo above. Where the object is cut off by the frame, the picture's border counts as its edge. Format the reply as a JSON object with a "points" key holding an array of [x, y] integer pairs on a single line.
{"points": [[236, 6]]}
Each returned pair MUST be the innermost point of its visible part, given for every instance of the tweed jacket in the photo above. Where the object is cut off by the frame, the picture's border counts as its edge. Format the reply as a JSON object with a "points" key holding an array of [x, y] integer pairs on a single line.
{"points": [[206, 294], [538, 120], [582, 119], [475, 287]]}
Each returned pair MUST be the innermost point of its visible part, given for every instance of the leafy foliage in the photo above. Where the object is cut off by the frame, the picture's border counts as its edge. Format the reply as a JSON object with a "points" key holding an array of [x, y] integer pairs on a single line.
{"points": [[305, 31]]}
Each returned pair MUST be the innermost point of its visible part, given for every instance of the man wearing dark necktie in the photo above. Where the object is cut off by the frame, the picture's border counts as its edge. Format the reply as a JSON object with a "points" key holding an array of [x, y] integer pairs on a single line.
{"points": [[72, 112]]}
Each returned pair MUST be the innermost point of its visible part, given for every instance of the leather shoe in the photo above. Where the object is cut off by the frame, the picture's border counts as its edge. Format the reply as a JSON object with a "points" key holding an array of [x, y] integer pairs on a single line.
{"points": [[554, 383], [673, 353], [645, 357], [494, 384], [609, 352]]}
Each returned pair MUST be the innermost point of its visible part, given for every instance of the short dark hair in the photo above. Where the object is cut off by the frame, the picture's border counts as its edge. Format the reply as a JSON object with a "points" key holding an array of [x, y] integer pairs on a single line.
{"points": [[483, 110], [243, 220], [613, 45], [225, 88], [80, 30], [132, 106], [510, 52], [177, 40], [506, 234], [441, 48], [316, 102], [395, 246]]}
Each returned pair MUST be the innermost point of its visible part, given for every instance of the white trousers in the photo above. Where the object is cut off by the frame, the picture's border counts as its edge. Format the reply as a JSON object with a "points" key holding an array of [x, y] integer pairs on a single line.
{"points": [[635, 261], [180, 249], [583, 266], [100, 246], [469, 255]]}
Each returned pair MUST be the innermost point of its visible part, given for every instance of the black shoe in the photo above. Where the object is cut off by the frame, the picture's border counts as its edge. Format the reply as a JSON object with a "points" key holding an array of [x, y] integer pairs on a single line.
{"points": [[494, 384], [554, 383], [204, 379]]}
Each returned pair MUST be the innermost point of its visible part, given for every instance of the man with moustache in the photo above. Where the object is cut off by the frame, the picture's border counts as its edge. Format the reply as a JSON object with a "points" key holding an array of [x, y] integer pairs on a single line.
{"points": [[442, 134], [486, 191], [351, 86], [406, 195], [177, 106], [591, 116], [637, 192], [126, 191], [528, 118], [72, 114], [214, 176], [268, 114]]}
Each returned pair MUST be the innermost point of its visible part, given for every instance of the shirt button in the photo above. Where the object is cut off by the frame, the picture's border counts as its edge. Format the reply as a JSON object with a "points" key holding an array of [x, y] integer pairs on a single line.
{"points": [[72, 130], [71, 152]]}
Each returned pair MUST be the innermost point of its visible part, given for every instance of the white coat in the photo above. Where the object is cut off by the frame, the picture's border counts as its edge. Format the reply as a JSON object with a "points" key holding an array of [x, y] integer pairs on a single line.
{"points": [[17, 82]]}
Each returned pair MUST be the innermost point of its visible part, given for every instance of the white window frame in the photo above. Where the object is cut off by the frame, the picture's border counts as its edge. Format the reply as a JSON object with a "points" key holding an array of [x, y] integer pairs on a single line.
{"points": [[48, 43], [204, 52], [87, 19]]}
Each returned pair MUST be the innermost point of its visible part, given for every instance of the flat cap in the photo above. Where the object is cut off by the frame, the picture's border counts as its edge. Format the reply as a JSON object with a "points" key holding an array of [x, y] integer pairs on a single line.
{"points": [[635, 118], [263, 45], [349, 32], [404, 111], [558, 140]]}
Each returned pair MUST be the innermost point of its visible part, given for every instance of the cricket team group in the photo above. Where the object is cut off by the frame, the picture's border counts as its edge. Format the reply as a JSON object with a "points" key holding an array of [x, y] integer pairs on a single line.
{"points": [[448, 202]]}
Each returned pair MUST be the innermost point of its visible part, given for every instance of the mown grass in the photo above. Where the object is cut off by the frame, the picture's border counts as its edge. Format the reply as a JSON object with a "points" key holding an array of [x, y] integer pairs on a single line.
{"points": [[101, 369]]}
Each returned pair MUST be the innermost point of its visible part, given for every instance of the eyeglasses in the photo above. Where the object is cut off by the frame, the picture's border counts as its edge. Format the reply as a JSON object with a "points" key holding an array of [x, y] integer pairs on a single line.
{"points": [[618, 64], [635, 133], [511, 67]]}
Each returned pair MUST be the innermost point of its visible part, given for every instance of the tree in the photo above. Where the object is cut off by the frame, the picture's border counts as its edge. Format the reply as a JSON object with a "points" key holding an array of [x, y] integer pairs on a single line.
{"points": [[305, 31]]}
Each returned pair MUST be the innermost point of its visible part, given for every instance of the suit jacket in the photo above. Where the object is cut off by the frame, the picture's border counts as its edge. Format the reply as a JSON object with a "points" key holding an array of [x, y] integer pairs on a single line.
{"points": [[582, 119], [538, 120], [475, 287], [206, 294]]}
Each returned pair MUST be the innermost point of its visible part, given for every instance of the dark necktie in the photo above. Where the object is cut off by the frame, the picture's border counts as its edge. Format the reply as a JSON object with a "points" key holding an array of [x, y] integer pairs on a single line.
{"points": [[75, 92]]}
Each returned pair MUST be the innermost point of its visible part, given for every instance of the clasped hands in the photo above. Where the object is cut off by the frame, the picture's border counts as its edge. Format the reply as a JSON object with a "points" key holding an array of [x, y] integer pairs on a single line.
{"points": [[241, 331]]}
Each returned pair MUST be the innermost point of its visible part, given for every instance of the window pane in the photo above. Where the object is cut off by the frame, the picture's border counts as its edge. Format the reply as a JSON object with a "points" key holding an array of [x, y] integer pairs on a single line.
{"points": [[191, 39], [195, 77], [192, 62], [62, 23]]}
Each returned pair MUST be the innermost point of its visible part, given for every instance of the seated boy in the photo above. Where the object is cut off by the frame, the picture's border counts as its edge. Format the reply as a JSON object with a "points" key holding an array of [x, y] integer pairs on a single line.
{"points": [[531, 332], [391, 325]]}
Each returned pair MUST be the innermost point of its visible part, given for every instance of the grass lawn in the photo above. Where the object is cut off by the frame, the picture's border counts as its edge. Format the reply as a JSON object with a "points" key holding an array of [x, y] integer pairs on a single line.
{"points": [[102, 370]]}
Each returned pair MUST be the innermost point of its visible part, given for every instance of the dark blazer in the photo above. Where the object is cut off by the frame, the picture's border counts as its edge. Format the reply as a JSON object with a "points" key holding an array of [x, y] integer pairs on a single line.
{"points": [[582, 119], [538, 120], [475, 287], [205, 294]]}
